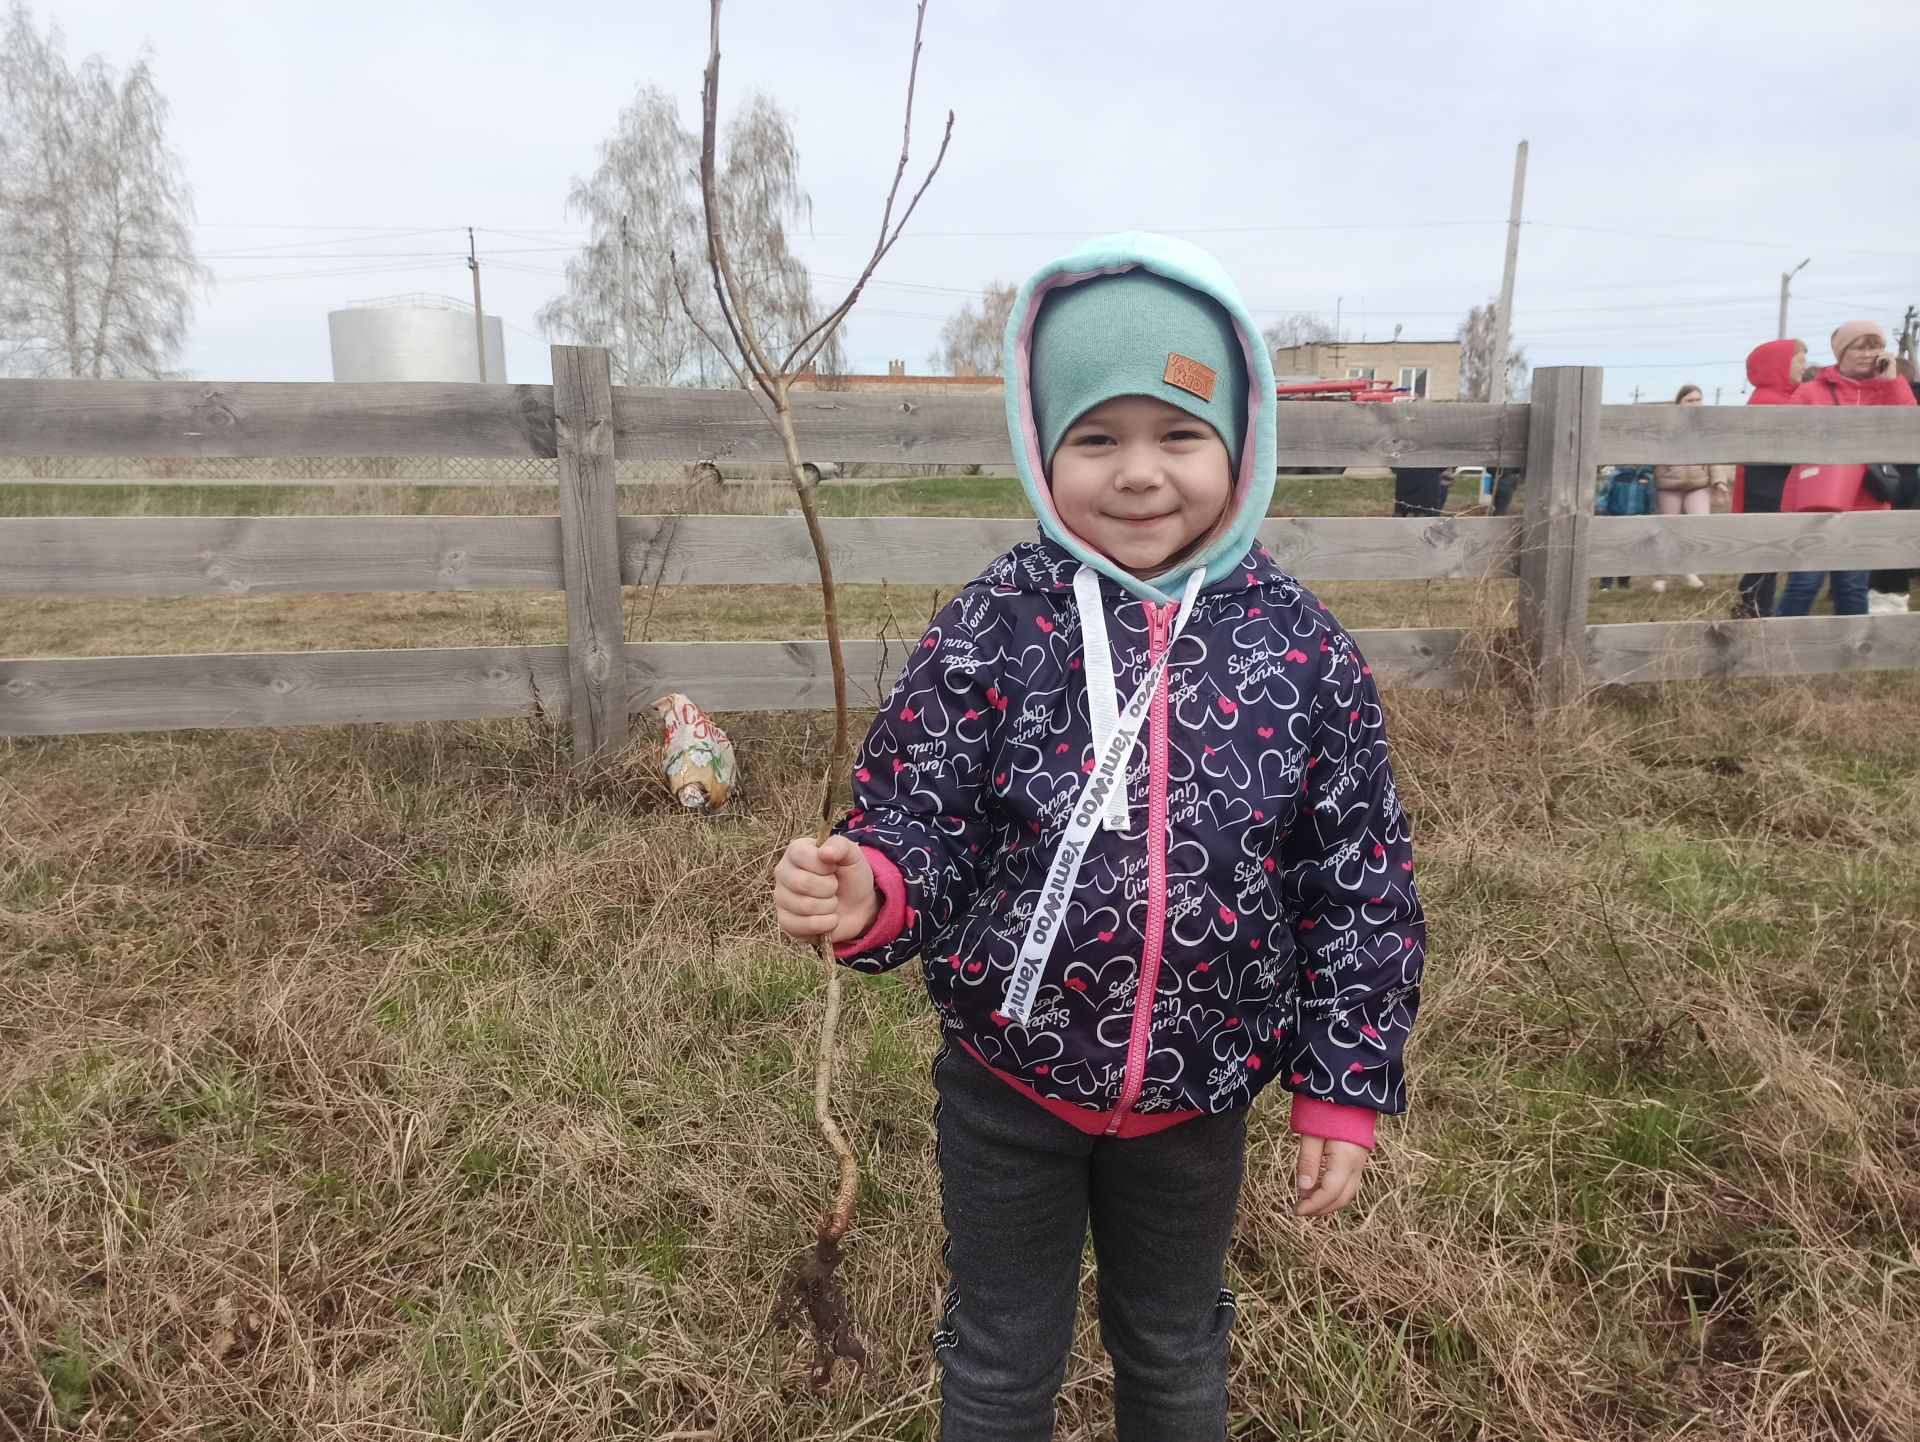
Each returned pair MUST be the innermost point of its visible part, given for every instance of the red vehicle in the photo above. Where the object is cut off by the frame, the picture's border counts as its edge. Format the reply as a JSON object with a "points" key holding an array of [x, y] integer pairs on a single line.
{"points": [[1357, 390], [1361, 391]]}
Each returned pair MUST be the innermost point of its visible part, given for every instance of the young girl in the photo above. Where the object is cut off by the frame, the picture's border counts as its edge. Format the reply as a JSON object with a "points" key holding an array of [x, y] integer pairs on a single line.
{"points": [[1130, 804]]}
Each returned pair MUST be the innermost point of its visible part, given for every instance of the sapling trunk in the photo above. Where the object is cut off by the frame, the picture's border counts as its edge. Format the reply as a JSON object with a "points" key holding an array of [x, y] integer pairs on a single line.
{"points": [[811, 1291]]}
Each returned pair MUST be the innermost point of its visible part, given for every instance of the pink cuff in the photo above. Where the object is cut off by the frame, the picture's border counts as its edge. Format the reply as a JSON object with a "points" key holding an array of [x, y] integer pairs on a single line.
{"points": [[1315, 1118], [892, 919]]}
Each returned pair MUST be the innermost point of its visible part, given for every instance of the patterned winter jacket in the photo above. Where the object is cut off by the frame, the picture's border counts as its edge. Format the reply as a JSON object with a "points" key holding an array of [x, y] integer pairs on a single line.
{"points": [[1256, 920]]}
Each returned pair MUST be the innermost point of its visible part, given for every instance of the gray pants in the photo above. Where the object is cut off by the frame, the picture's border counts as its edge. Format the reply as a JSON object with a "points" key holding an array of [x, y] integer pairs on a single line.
{"points": [[1019, 1187]]}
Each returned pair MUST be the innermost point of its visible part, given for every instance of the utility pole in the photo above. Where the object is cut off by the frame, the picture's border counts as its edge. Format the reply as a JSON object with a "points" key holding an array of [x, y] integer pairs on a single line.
{"points": [[626, 296], [1503, 316], [1910, 335], [1716, 395], [479, 316], [1785, 279], [1636, 395]]}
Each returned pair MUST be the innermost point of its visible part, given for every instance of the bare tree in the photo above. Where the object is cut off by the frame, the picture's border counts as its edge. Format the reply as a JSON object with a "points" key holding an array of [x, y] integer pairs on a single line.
{"points": [[1476, 357], [762, 198], [766, 370], [1299, 328], [642, 206], [97, 272], [972, 340], [643, 183]]}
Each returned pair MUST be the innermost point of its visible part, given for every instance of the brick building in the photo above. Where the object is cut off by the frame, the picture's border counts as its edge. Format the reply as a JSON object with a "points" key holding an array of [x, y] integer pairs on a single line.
{"points": [[897, 379], [1429, 368]]}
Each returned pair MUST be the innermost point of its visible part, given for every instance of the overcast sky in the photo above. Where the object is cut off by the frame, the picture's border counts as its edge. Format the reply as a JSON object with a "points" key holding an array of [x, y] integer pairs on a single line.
{"points": [[1356, 157]]}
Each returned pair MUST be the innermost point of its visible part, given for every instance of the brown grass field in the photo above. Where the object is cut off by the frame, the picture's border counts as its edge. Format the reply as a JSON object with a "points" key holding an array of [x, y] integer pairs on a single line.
{"points": [[389, 1083]]}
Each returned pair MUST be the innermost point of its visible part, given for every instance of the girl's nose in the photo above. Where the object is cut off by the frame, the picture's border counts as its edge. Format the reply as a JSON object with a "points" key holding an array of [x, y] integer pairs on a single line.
{"points": [[1139, 468]]}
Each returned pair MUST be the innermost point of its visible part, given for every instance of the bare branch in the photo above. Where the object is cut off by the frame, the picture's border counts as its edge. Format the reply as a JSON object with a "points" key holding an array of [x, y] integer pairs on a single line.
{"points": [[726, 357], [826, 328], [800, 357], [726, 285]]}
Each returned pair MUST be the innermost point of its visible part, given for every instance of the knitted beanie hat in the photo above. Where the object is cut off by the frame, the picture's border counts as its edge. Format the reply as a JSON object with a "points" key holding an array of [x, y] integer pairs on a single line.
{"points": [[1854, 330], [1136, 333]]}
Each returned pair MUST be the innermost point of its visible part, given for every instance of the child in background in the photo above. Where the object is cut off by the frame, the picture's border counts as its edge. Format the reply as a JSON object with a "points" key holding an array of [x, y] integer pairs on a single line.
{"points": [[1130, 804], [1627, 491], [1688, 490]]}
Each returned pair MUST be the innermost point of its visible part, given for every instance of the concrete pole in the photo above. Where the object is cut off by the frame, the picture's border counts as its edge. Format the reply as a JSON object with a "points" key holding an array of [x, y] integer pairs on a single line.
{"points": [[1785, 279], [1503, 315], [479, 316]]}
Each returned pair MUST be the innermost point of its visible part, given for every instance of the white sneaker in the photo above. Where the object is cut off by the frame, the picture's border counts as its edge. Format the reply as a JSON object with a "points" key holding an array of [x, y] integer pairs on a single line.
{"points": [[1660, 583], [1887, 603], [1694, 583]]}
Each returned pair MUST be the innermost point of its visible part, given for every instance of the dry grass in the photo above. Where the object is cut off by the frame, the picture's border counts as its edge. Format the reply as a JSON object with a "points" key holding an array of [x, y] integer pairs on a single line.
{"points": [[384, 1083], [383, 1080]]}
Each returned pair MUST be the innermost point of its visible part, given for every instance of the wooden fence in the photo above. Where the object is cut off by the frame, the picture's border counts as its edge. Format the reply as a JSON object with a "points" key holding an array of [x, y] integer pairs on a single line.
{"points": [[590, 552]]}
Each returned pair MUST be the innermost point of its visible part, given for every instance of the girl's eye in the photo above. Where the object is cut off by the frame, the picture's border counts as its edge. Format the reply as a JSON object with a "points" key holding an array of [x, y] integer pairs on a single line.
{"points": [[1183, 435], [1092, 438]]}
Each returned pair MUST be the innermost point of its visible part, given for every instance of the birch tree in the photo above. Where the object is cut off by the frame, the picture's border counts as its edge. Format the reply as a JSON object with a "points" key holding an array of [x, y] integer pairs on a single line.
{"points": [[973, 337], [1476, 358], [97, 269], [1299, 328], [648, 182]]}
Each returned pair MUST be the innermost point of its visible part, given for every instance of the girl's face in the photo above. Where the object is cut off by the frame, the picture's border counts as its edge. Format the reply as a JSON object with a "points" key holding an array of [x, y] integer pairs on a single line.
{"points": [[1141, 482], [1797, 367], [1862, 359], [1690, 398]]}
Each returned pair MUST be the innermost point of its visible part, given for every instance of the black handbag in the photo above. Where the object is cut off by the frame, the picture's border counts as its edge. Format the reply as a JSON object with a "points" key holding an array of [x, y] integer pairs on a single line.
{"points": [[1885, 483]]}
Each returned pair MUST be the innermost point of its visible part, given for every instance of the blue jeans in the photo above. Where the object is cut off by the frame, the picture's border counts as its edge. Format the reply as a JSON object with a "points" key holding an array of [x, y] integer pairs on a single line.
{"points": [[1803, 589]]}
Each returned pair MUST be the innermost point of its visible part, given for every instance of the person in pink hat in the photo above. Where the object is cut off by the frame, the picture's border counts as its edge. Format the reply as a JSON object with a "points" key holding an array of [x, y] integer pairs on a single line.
{"points": [[1862, 375]]}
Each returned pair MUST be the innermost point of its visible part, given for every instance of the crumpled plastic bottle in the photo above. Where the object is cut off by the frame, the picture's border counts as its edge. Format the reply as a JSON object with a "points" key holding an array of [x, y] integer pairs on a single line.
{"points": [[699, 760]]}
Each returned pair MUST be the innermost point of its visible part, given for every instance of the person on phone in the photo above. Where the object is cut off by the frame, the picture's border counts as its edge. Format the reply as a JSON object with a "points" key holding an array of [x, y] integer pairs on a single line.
{"points": [[1862, 375]]}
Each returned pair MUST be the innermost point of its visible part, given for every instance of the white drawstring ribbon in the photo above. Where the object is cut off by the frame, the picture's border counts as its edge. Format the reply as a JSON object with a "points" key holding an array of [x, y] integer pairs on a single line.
{"points": [[1103, 702], [1109, 772]]}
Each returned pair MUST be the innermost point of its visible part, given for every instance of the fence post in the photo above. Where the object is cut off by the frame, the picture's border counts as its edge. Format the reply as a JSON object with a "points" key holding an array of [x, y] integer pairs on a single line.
{"points": [[590, 551], [1563, 427]]}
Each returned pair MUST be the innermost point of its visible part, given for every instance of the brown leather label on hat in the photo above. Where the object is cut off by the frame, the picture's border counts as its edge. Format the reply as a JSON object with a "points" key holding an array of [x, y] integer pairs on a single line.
{"points": [[1188, 374]]}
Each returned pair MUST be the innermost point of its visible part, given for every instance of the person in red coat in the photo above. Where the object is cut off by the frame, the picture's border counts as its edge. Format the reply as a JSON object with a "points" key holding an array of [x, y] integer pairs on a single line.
{"points": [[1773, 369], [1862, 375]]}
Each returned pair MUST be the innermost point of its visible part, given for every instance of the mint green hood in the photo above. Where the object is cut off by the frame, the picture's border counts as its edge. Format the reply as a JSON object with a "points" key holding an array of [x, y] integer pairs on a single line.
{"points": [[1253, 486]]}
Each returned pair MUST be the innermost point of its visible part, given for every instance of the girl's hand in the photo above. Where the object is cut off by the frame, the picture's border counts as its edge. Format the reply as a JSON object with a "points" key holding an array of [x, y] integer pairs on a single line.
{"points": [[824, 889], [1324, 1192]]}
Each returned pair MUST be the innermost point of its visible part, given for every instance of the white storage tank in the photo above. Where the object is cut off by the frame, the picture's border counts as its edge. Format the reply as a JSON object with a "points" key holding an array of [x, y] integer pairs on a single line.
{"points": [[412, 338]]}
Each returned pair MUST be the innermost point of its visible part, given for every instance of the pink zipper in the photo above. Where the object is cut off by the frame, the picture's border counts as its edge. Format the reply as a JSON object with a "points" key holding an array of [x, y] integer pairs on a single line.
{"points": [[1159, 622]]}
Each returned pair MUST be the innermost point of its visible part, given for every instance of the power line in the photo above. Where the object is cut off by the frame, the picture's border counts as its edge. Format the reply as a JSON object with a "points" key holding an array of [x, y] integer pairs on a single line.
{"points": [[280, 225], [324, 274], [1798, 243], [252, 255], [542, 233], [343, 240], [1675, 365]]}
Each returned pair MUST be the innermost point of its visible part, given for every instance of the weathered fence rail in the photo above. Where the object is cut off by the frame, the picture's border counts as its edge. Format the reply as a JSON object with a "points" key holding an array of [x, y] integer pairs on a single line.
{"points": [[589, 551]]}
